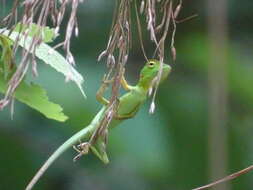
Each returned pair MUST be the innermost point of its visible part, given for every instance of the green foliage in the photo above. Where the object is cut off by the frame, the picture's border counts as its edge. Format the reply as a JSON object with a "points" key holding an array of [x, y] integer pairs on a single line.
{"points": [[47, 34], [6, 59], [35, 97], [49, 56], [32, 94], [167, 150]]}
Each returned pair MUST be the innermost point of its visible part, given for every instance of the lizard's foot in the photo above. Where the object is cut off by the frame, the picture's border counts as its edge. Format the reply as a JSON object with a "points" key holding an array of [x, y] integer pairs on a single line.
{"points": [[82, 149], [106, 81]]}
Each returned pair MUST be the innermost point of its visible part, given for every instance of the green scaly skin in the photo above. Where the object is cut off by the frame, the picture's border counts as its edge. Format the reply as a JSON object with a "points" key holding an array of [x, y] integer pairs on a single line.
{"points": [[129, 105]]}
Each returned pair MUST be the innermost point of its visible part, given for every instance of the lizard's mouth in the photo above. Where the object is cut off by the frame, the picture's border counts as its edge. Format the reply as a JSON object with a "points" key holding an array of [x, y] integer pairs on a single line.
{"points": [[161, 76]]}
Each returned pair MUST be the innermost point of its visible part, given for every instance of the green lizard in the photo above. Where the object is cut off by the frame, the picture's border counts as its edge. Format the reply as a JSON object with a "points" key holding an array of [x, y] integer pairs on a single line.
{"points": [[128, 106]]}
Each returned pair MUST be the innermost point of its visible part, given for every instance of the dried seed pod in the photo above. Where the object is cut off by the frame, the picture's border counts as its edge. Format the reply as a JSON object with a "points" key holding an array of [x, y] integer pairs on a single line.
{"points": [[120, 41], [174, 53], [76, 31], [110, 60], [56, 31], [127, 25], [102, 54], [125, 58], [150, 90], [177, 10], [70, 59], [142, 6], [152, 108]]}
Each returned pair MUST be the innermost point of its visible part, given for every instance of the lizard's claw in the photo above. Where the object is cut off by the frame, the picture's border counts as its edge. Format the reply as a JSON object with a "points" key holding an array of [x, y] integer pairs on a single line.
{"points": [[107, 81], [82, 149]]}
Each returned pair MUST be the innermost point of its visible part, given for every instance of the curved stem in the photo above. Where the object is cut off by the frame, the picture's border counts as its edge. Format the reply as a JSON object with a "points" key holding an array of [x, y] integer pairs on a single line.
{"points": [[227, 178], [84, 133]]}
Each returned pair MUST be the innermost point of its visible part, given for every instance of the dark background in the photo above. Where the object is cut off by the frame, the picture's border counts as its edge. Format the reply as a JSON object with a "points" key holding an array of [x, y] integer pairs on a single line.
{"points": [[167, 150]]}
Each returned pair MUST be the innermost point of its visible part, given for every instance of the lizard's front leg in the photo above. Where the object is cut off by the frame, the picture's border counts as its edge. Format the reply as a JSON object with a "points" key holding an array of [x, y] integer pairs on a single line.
{"points": [[124, 83], [101, 91]]}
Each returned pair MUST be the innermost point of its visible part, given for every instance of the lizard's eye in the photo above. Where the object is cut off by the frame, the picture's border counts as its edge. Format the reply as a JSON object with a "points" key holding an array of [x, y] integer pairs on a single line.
{"points": [[151, 64]]}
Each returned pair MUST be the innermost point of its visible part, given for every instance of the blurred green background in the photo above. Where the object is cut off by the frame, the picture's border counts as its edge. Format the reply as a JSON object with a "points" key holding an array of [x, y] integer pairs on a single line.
{"points": [[167, 150]]}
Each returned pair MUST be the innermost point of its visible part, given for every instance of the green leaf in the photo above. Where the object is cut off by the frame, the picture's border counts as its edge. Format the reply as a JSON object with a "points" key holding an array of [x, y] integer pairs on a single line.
{"points": [[48, 34], [49, 56], [35, 97], [6, 58]]}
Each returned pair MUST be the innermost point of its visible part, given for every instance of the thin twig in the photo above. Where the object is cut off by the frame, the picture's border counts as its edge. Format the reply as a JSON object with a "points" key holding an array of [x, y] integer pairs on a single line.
{"points": [[186, 19], [227, 178], [140, 32], [36, 12]]}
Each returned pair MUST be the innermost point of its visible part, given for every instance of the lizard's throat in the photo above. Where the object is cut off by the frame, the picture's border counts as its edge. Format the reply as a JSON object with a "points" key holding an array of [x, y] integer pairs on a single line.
{"points": [[146, 84]]}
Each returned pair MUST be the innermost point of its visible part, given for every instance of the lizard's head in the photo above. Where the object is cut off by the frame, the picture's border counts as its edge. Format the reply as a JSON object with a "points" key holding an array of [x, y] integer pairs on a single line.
{"points": [[149, 73]]}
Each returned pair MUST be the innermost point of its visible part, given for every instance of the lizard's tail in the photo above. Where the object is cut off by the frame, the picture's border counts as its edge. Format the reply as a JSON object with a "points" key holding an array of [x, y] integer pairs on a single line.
{"points": [[70, 142], [84, 133]]}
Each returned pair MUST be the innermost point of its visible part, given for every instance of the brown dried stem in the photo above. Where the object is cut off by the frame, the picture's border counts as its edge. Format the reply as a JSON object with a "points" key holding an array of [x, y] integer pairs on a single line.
{"points": [[159, 32], [119, 42], [38, 12], [118, 46], [227, 178]]}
